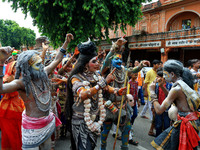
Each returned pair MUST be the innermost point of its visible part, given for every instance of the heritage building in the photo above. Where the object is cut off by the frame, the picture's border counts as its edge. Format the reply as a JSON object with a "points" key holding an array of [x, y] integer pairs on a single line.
{"points": [[169, 29]]}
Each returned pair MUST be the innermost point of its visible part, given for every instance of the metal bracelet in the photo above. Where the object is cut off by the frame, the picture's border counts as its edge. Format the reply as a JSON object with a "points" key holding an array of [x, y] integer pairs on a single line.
{"points": [[62, 50], [154, 96], [102, 83], [154, 100]]}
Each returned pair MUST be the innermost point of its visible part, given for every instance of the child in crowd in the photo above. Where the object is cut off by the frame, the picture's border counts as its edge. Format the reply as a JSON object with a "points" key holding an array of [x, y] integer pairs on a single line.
{"points": [[162, 121], [134, 92]]}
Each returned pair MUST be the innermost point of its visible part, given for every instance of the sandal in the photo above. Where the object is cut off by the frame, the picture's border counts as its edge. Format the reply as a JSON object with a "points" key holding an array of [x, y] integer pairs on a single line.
{"points": [[151, 134], [133, 142]]}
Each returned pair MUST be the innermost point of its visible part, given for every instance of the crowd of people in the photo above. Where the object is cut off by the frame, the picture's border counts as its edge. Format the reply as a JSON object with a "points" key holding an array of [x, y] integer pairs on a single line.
{"points": [[89, 92]]}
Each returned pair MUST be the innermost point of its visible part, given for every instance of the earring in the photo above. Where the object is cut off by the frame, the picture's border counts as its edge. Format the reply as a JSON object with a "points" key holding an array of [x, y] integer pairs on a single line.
{"points": [[85, 69]]}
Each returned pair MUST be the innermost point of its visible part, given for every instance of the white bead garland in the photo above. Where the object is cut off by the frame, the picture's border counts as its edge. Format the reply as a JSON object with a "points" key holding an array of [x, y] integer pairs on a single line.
{"points": [[94, 126]]}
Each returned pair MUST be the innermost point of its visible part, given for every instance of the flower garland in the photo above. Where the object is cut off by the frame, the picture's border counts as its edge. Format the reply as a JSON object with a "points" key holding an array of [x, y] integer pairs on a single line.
{"points": [[92, 125]]}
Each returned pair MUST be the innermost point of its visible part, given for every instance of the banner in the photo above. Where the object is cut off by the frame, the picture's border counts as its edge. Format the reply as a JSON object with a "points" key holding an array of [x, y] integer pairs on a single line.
{"points": [[145, 45], [183, 42]]}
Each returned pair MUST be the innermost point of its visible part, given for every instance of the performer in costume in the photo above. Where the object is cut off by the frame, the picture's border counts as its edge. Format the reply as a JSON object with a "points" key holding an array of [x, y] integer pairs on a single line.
{"points": [[85, 97], [11, 108], [38, 123], [183, 134], [114, 60]]}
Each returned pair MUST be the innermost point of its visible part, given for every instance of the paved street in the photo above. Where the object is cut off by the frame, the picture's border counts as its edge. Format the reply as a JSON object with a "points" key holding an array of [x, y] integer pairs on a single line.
{"points": [[141, 128]]}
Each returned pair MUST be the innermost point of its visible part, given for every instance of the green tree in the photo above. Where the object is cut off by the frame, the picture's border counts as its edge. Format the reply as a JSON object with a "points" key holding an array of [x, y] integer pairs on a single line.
{"points": [[28, 37], [11, 34], [82, 18]]}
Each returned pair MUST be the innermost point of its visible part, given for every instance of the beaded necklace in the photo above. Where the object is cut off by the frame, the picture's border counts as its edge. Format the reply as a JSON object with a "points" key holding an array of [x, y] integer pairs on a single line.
{"points": [[42, 105], [94, 126]]}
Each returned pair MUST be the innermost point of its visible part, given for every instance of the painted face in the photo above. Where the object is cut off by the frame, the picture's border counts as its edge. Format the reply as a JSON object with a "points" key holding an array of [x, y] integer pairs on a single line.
{"points": [[167, 76], [35, 62], [94, 64], [117, 61]]}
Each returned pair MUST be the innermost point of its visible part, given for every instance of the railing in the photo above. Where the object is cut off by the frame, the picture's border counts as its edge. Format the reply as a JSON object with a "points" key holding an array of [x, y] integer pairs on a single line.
{"points": [[152, 5], [178, 34]]}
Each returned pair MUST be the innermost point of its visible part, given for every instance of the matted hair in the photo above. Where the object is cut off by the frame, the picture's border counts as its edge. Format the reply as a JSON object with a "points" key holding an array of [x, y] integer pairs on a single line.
{"points": [[179, 70], [23, 68]]}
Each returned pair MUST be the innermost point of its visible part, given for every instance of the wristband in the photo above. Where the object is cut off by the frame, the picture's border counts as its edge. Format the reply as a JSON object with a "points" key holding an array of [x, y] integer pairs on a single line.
{"points": [[1, 65], [154, 100], [97, 87], [62, 50], [102, 83], [154, 96], [1, 76]]}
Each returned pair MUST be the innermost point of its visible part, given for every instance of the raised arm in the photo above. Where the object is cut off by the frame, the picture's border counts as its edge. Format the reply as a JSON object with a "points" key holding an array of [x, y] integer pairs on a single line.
{"points": [[13, 86], [60, 54], [45, 48], [144, 63], [69, 62], [115, 47]]}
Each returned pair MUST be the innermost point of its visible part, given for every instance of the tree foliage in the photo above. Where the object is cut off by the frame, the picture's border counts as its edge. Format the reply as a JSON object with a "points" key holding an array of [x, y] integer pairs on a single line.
{"points": [[11, 34], [82, 18]]}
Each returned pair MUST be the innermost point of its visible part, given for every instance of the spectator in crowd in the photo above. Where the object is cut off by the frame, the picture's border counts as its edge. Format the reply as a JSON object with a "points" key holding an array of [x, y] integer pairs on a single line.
{"points": [[134, 92], [162, 121], [150, 77], [195, 64], [189, 64], [140, 80]]}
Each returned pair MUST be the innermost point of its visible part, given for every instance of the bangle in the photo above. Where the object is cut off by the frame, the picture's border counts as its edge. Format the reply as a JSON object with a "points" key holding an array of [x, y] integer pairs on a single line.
{"points": [[62, 50], [1, 76], [154, 100], [102, 83], [154, 96], [97, 87]]}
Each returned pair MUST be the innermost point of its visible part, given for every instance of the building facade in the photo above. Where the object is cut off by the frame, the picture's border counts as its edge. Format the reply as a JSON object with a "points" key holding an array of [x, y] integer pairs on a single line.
{"points": [[169, 29]]}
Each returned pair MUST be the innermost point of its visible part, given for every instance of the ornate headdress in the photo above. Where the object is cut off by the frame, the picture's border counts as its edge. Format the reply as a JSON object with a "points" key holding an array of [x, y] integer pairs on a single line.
{"points": [[87, 48]]}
